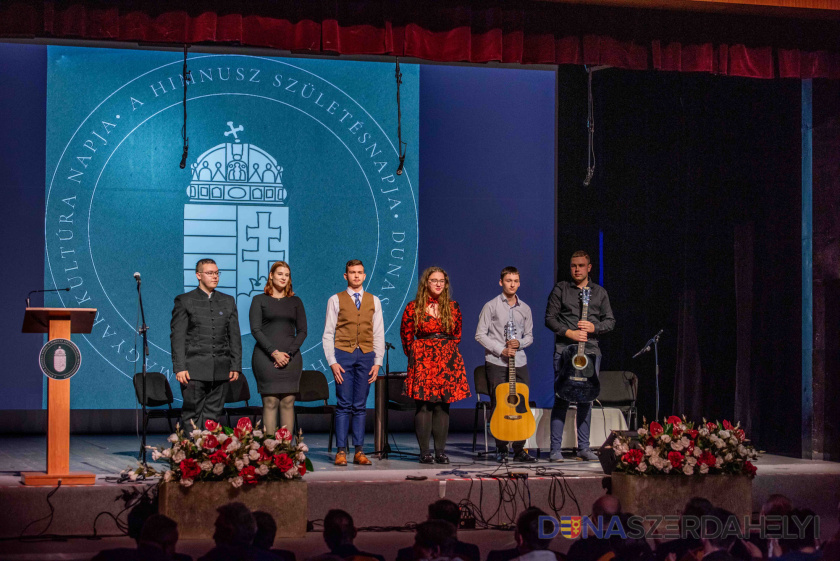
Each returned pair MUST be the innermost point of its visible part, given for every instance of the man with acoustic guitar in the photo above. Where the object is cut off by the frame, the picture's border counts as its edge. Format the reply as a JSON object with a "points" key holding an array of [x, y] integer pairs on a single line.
{"points": [[495, 316], [577, 312]]}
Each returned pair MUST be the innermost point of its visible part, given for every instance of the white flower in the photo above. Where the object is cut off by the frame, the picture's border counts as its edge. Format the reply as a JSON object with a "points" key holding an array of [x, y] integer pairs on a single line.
{"points": [[742, 450], [218, 469], [642, 431], [303, 447], [179, 457], [719, 443], [206, 433], [688, 470], [156, 455], [270, 444], [642, 467], [666, 467], [649, 451], [235, 444], [733, 441], [206, 465], [697, 452], [703, 432], [718, 462], [685, 442], [168, 475], [254, 455], [255, 445], [263, 470], [724, 434], [621, 449], [173, 438], [665, 438], [677, 445], [167, 453], [300, 457], [691, 460], [704, 468], [246, 460], [186, 482], [239, 465], [198, 442], [236, 481], [258, 433], [195, 434], [728, 457], [222, 437], [291, 472]]}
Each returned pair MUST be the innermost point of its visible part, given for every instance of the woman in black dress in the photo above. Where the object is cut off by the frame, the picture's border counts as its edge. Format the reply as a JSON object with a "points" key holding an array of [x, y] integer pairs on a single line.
{"points": [[278, 323]]}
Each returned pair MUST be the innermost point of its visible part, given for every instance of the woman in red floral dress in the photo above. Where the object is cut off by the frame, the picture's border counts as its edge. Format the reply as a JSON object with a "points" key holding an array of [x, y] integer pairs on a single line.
{"points": [[430, 333]]}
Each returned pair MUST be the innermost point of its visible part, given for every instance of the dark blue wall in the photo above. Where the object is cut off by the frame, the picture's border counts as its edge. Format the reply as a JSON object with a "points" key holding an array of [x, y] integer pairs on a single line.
{"points": [[487, 195]]}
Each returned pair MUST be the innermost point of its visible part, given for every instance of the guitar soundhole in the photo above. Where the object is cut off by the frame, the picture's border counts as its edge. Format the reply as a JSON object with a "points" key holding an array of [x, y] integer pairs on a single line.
{"points": [[512, 400], [580, 362], [513, 417]]}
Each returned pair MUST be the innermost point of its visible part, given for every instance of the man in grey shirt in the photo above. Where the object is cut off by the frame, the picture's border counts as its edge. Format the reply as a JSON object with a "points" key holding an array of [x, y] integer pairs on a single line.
{"points": [[490, 333]]}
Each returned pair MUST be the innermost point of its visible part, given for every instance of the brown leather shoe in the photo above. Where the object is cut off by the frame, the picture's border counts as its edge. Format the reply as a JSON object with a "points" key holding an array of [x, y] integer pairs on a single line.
{"points": [[341, 458], [361, 459]]}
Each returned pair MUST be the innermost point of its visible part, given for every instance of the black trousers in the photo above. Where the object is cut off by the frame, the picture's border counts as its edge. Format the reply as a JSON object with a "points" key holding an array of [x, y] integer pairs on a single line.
{"points": [[202, 401], [499, 375]]}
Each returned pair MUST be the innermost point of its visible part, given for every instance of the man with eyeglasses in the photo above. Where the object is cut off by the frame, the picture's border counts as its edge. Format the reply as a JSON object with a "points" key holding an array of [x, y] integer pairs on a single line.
{"points": [[206, 346]]}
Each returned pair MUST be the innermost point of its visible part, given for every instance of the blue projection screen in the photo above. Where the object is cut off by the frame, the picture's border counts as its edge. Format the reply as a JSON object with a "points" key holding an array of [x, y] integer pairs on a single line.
{"points": [[290, 159]]}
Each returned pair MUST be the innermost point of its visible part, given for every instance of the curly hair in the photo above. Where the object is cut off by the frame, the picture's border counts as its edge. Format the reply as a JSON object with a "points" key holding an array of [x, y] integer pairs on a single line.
{"points": [[423, 297], [289, 291]]}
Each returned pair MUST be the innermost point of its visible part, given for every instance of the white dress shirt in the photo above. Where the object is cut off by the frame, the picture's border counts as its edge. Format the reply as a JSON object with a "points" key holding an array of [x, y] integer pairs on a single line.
{"points": [[332, 318]]}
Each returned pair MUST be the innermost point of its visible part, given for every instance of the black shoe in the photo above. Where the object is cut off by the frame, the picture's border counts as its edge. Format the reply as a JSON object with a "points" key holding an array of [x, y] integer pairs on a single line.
{"points": [[441, 458], [523, 456], [427, 458], [502, 455]]}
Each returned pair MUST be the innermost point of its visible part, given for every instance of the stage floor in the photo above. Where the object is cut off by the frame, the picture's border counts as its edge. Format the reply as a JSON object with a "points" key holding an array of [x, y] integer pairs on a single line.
{"points": [[378, 495]]}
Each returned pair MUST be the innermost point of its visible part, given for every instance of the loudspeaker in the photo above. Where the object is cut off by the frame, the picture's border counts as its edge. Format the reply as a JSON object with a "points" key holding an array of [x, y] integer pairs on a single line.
{"points": [[606, 454]]}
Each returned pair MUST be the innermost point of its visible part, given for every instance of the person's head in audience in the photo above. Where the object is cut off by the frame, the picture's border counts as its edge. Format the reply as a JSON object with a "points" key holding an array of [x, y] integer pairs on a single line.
{"points": [[803, 531], [161, 532], [605, 508], [446, 510], [266, 530], [527, 531], [776, 505], [627, 548], [434, 539], [697, 508], [715, 522], [338, 529], [235, 525]]}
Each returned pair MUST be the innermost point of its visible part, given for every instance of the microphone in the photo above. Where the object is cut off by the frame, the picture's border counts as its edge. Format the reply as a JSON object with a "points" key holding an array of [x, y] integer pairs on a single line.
{"points": [[400, 167], [31, 292], [183, 163], [137, 277], [389, 345], [589, 173], [650, 342]]}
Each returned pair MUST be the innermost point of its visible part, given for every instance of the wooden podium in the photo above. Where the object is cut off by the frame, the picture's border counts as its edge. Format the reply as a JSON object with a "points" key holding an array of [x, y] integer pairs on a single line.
{"points": [[59, 323]]}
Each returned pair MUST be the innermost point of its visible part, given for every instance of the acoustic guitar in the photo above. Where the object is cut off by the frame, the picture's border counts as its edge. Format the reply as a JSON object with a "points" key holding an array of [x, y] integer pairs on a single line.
{"points": [[512, 418], [579, 380]]}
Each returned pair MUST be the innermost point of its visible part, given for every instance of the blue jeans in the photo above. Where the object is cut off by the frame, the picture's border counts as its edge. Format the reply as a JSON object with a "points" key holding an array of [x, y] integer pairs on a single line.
{"points": [[561, 406], [352, 395]]}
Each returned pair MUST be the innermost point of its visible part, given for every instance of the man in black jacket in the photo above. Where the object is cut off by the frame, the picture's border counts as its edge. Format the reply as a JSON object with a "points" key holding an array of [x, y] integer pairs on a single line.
{"points": [[563, 317], [447, 511], [206, 346]]}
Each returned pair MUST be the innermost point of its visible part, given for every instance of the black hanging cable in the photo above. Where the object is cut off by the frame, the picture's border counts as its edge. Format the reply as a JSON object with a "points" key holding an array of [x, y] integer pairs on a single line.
{"points": [[590, 127], [402, 145], [185, 77]]}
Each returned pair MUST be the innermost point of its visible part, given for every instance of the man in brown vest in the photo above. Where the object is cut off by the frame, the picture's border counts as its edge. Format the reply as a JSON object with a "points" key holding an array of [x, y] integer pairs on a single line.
{"points": [[354, 344]]}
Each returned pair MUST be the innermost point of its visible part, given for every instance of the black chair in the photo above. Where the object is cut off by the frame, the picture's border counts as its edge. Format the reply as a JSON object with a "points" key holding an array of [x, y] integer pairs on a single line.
{"points": [[314, 387], [482, 388], [158, 394], [398, 401], [237, 392], [619, 389]]}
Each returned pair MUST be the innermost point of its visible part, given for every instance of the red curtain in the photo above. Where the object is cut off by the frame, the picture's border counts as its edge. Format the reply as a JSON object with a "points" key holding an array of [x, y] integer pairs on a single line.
{"points": [[451, 31]]}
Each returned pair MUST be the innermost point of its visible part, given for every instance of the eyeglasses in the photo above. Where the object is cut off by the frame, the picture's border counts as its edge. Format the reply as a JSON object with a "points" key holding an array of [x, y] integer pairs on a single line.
{"points": [[213, 273], [436, 281]]}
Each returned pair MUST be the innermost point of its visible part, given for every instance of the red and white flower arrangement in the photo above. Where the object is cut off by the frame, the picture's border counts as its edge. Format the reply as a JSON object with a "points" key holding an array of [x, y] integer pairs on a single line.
{"points": [[680, 447], [241, 455]]}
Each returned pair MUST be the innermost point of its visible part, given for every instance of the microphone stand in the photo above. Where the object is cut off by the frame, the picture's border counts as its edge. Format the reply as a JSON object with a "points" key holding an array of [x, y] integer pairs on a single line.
{"points": [[655, 342], [144, 332]]}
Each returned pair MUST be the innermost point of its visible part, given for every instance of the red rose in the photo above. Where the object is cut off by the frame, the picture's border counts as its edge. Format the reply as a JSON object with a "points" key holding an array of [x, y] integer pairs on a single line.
{"points": [[740, 434], [210, 442], [676, 431], [211, 425], [727, 425], [248, 474], [692, 433], [633, 457], [283, 462], [218, 457], [244, 424], [302, 469], [676, 459], [674, 420], [707, 458], [655, 429], [650, 441], [283, 434], [711, 426], [749, 469], [264, 454], [189, 468], [689, 449]]}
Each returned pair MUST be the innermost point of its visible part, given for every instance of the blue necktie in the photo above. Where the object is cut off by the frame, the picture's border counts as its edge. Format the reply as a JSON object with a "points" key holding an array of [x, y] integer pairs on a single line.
{"points": [[358, 302]]}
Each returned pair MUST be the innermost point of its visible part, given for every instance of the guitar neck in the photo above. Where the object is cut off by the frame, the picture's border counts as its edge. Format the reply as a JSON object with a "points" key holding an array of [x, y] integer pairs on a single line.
{"points": [[584, 313], [512, 374]]}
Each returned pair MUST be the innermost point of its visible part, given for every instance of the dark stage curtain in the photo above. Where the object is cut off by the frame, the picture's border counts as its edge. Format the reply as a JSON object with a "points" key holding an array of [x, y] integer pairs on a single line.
{"points": [[449, 31], [697, 192]]}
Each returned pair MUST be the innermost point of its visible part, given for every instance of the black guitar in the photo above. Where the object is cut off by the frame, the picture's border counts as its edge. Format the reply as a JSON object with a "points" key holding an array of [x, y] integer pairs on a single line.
{"points": [[579, 381]]}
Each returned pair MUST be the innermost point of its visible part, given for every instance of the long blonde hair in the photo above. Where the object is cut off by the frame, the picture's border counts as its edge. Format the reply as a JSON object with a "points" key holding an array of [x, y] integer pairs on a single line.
{"points": [[268, 287], [423, 297]]}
